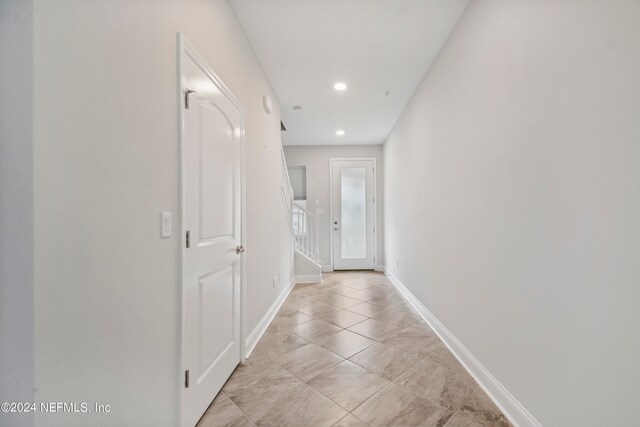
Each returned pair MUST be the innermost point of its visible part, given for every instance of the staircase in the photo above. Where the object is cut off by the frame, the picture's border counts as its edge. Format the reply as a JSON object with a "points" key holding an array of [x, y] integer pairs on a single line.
{"points": [[304, 232]]}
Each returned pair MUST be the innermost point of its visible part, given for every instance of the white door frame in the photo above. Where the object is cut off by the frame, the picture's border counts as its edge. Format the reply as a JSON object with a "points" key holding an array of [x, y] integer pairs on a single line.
{"points": [[332, 160], [186, 49]]}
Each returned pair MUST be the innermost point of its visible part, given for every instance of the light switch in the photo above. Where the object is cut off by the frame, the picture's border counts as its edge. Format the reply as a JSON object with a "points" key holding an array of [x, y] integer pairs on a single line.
{"points": [[166, 224]]}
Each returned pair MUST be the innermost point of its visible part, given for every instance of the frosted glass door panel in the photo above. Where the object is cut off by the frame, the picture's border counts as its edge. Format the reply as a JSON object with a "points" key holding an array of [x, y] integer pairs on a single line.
{"points": [[354, 213]]}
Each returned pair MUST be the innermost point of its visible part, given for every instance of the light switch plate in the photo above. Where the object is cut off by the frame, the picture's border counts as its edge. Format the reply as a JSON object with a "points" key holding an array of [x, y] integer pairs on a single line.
{"points": [[166, 224]]}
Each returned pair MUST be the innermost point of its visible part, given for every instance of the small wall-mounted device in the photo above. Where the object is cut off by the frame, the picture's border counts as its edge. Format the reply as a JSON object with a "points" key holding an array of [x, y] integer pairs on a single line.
{"points": [[267, 104]]}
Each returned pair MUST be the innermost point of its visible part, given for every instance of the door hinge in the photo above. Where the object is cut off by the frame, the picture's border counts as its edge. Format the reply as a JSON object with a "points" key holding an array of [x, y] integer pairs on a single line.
{"points": [[374, 229], [188, 239], [186, 97], [186, 379], [374, 200]]}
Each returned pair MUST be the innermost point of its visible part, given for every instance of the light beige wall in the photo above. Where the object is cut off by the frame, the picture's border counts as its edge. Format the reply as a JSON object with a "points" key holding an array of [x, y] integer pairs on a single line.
{"points": [[316, 159], [106, 155], [512, 187], [16, 207]]}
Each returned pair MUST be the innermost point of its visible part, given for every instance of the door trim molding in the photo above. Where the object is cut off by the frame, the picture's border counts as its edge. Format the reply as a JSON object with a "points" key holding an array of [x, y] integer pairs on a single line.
{"points": [[332, 160], [186, 49]]}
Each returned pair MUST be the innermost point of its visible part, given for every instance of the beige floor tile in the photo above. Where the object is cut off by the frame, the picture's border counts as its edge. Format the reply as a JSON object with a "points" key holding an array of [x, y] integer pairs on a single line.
{"points": [[223, 412], [346, 343], [444, 386], [303, 407], [316, 308], [306, 291], [274, 397], [350, 421], [367, 294], [293, 303], [271, 379], [348, 384], [388, 301], [343, 318], [414, 339], [273, 387], [348, 291], [274, 344], [385, 361], [256, 361], [286, 309], [459, 421], [276, 328], [289, 319], [481, 409], [308, 361], [296, 407], [336, 300], [331, 287], [378, 278], [401, 316], [360, 285], [374, 329], [314, 329], [367, 309], [443, 356], [395, 406]]}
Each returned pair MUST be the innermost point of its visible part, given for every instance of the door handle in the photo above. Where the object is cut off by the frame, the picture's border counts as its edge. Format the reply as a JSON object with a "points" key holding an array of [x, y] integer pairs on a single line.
{"points": [[239, 249]]}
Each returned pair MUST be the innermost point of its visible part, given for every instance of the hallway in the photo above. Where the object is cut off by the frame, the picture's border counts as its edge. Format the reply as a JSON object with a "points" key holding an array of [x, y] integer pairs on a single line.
{"points": [[197, 198], [350, 351]]}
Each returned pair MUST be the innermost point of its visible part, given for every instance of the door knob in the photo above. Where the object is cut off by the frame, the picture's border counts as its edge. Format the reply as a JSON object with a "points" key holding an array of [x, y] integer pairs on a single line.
{"points": [[240, 249]]}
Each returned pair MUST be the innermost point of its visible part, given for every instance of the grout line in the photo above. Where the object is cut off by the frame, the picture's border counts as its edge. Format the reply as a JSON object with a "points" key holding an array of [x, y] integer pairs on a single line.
{"points": [[251, 420], [376, 341], [374, 395]]}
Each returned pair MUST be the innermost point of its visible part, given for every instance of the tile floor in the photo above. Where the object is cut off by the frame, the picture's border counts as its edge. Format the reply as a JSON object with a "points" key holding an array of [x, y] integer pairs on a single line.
{"points": [[350, 352]]}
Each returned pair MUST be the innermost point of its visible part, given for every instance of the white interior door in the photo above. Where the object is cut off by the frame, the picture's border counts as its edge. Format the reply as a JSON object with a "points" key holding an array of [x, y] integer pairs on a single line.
{"points": [[353, 214], [212, 247]]}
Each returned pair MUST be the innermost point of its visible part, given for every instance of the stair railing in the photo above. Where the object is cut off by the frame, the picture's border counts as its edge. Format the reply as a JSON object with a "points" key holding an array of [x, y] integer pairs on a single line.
{"points": [[305, 231], [304, 224]]}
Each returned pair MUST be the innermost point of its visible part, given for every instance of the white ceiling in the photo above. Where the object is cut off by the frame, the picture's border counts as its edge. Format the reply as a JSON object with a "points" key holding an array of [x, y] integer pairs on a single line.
{"points": [[374, 46]]}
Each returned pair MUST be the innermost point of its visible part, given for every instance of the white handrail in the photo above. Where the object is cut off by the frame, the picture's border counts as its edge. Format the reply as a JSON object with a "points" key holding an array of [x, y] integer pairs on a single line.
{"points": [[286, 174]]}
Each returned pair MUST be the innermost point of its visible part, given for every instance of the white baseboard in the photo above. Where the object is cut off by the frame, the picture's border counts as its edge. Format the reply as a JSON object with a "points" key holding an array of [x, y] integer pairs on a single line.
{"points": [[308, 278], [329, 268], [508, 404], [266, 320]]}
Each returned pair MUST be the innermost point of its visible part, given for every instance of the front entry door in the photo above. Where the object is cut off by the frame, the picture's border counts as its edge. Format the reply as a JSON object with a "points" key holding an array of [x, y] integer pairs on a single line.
{"points": [[353, 214], [212, 135]]}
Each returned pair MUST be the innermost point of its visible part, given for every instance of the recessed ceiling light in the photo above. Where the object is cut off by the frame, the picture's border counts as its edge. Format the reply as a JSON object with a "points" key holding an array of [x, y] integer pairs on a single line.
{"points": [[340, 86], [297, 107], [339, 132]]}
